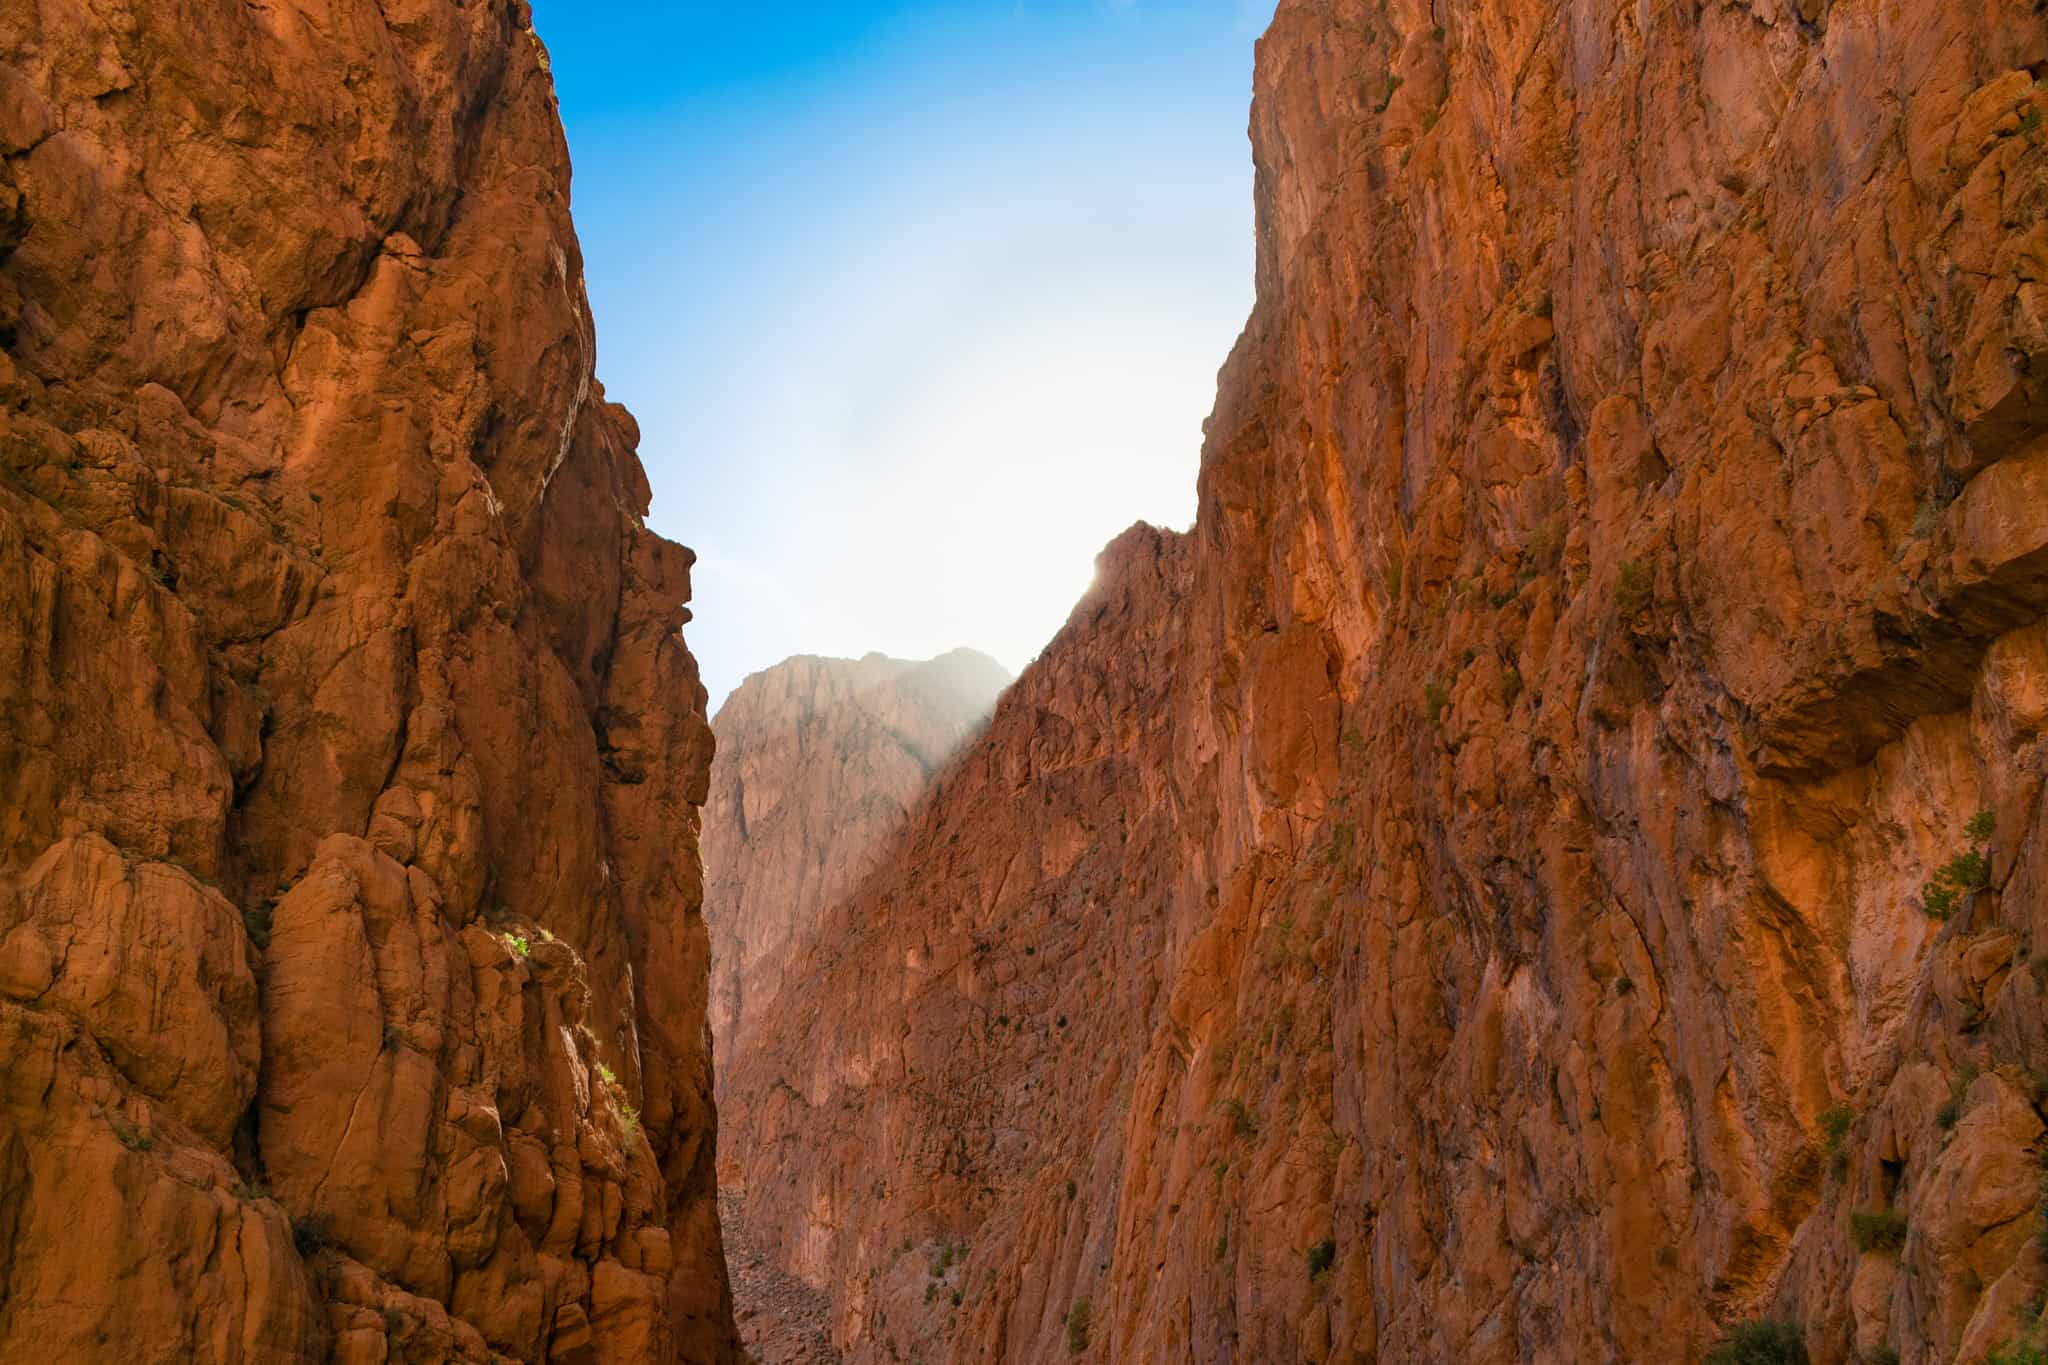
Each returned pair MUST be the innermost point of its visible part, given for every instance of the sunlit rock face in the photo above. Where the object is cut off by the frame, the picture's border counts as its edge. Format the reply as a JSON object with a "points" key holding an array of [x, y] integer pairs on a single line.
{"points": [[819, 761], [351, 977], [1440, 908]]}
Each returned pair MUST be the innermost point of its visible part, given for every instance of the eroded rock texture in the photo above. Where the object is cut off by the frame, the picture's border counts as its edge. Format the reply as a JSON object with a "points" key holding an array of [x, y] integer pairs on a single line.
{"points": [[351, 983], [1439, 908], [819, 762]]}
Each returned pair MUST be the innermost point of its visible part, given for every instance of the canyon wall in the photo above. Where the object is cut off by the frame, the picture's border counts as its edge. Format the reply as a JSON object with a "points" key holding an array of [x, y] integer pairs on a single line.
{"points": [[1551, 865], [819, 762], [352, 986]]}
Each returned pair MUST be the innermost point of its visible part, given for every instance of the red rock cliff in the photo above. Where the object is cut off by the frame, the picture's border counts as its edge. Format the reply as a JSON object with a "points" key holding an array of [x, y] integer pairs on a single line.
{"points": [[1468, 900], [352, 988], [819, 760]]}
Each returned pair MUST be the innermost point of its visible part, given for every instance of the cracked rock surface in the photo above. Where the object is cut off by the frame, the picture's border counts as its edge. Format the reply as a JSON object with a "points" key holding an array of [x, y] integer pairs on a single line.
{"points": [[1468, 899], [352, 984]]}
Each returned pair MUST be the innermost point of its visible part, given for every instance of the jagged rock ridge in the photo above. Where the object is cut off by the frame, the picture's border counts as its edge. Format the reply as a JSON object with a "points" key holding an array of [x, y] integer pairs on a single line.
{"points": [[1468, 900], [352, 988], [818, 762]]}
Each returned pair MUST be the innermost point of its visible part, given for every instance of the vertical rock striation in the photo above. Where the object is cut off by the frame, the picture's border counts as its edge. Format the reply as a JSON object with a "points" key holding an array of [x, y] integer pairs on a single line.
{"points": [[1468, 899], [819, 761], [352, 986]]}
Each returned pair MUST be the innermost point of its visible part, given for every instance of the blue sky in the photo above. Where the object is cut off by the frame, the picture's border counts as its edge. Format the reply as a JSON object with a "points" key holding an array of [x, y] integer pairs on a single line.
{"points": [[918, 304]]}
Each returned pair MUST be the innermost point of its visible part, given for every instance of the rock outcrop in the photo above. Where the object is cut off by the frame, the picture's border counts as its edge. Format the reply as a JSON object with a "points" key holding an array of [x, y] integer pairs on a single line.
{"points": [[819, 762], [1551, 866], [352, 985]]}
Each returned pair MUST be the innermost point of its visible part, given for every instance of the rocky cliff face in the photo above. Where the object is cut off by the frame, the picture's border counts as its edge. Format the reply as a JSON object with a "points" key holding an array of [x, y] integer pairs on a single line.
{"points": [[351, 983], [819, 761], [1469, 899]]}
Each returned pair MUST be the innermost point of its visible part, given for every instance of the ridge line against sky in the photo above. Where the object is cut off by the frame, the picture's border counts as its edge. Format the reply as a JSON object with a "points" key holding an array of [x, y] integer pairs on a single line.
{"points": [[918, 304]]}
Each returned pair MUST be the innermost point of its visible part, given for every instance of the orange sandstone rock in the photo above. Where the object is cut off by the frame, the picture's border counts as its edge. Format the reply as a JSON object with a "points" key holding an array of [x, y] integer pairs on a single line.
{"points": [[819, 760], [1425, 912], [352, 980]]}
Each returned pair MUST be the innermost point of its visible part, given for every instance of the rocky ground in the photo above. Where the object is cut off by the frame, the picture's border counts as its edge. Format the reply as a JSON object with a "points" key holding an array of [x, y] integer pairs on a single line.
{"points": [[783, 1321]]}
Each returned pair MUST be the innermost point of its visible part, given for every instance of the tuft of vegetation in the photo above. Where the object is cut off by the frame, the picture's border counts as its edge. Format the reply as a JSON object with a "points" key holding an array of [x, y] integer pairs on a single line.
{"points": [[2016, 1353], [1624, 985], [312, 1234], [1079, 1318], [1343, 838], [1545, 546], [1834, 1127], [1927, 516], [1635, 587], [1760, 1343], [1435, 698], [1958, 1092], [1241, 1121], [256, 922], [519, 946], [629, 1119], [1963, 875], [605, 1074], [1321, 1257], [1878, 1230]]}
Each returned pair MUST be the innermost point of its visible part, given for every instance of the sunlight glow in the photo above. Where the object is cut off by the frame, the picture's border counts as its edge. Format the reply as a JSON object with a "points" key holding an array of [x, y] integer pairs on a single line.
{"points": [[914, 323]]}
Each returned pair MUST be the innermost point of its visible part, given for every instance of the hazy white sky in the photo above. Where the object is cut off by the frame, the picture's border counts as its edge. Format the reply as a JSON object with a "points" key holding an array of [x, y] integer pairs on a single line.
{"points": [[918, 305]]}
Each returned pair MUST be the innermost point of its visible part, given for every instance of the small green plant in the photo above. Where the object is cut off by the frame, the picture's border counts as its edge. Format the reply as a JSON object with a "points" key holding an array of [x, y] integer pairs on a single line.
{"points": [[1876, 1230], [1545, 545], [312, 1234], [1241, 1121], [1951, 1110], [256, 922], [1760, 1343], [134, 1139], [1928, 516], [519, 946], [629, 1119], [1510, 685], [2016, 1353], [1635, 587], [605, 1074], [1342, 837], [1394, 84], [1834, 1127], [1435, 698], [1965, 874], [1079, 1318], [1321, 1257]]}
